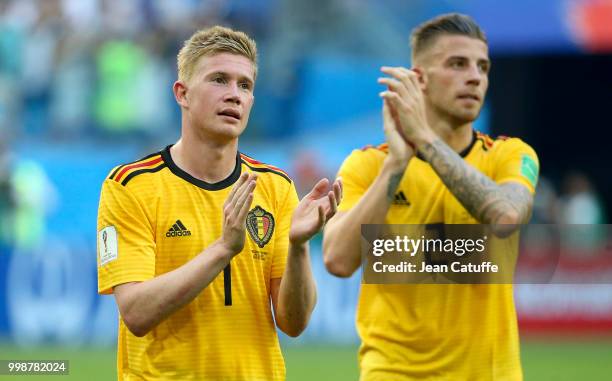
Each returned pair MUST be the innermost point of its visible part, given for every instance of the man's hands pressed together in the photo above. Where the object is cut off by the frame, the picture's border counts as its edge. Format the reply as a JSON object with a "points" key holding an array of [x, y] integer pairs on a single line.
{"points": [[400, 149], [504, 206], [406, 101]]}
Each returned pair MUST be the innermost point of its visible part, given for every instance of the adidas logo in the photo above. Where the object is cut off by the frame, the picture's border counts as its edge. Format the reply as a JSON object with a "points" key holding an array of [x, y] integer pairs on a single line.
{"points": [[400, 199], [178, 230]]}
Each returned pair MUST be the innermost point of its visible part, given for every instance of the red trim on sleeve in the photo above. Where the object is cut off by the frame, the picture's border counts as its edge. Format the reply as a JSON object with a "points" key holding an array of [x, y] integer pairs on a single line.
{"points": [[137, 165]]}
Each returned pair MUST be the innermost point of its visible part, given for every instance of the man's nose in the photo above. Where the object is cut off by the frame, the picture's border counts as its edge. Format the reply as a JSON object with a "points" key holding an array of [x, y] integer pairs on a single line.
{"points": [[233, 93], [475, 75]]}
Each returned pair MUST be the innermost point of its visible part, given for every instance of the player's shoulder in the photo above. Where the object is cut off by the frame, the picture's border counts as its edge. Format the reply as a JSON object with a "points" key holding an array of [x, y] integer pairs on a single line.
{"points": [[366, 157], [371, 152], [381, 149], [271, 172], [365, 160], [124, 174], [501, 143]]}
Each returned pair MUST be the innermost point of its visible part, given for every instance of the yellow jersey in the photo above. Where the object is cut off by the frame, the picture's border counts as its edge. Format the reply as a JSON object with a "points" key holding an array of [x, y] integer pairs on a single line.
{"points": [[442, 332], [153, 218]]}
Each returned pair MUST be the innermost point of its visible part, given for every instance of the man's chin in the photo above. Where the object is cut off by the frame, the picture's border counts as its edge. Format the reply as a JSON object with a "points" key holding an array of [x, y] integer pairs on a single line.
{"points": [[459, 116], [223, 133], [465, 117], [229, 135]]}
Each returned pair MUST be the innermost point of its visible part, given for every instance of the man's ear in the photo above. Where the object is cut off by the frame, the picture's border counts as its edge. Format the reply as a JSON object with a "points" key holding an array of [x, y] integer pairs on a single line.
{"points": [[180, 93], [421, 75]]}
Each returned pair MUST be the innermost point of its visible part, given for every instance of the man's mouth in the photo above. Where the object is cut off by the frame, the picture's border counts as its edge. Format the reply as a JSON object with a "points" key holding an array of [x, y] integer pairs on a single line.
{"points": [[469, 96], [232, 113]]}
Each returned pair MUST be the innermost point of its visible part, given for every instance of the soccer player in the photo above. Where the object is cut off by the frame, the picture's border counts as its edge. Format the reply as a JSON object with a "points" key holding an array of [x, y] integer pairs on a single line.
{"points": [[197, 241], [435, 168]]}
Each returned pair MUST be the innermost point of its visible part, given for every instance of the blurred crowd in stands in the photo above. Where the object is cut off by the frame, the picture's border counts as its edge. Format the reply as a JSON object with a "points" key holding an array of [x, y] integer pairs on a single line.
{"points": [[75, 67], [27, 196]]}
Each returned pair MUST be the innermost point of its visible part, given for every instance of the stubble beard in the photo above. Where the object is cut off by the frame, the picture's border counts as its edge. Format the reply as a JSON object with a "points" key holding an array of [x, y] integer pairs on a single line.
{"points": [[455, 118]]}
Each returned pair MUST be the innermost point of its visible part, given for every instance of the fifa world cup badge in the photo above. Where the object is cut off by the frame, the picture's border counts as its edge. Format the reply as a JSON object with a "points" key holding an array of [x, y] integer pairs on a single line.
{"points": [[107, 244], [104, 238]]}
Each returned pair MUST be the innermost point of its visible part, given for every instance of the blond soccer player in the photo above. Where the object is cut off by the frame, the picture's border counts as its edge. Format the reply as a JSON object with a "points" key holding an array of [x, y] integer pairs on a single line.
{"points": [[198, 241]]}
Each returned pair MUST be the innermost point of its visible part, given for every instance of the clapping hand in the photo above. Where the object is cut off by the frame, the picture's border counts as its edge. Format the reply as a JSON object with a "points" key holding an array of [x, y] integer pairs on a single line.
{"points": [[314, 210]]}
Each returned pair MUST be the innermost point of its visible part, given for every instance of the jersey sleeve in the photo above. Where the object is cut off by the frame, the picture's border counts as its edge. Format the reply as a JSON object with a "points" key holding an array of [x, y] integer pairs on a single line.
{"points": [[281, 246], [125, 244], [517, 161], [358, 171]]}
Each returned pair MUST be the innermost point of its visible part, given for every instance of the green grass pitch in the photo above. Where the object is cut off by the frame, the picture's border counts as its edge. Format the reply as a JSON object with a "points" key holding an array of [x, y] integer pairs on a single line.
{"points": [[542, 361]]}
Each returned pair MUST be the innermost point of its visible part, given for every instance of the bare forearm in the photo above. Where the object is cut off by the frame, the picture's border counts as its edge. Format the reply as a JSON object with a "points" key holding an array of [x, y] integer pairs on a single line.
{"points": [[484, 199], [342, 241], [144, 305], [298, 294]]}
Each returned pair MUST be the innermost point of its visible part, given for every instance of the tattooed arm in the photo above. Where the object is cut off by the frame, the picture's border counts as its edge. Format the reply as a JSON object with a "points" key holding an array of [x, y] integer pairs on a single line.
{"points": [[503, 206], [342, 239]]}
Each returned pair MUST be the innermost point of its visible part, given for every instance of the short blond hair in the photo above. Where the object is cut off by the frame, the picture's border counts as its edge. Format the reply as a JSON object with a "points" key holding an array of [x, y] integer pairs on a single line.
{"points": [[211, 41]]}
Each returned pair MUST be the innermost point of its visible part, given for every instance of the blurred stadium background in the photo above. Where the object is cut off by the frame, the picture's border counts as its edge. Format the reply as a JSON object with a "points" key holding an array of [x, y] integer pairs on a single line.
{"points": [[86, 84]]}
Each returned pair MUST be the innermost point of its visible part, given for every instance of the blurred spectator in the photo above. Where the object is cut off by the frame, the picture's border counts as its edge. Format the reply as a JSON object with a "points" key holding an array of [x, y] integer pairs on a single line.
{"points": [[581, 209], [12, 35], [82, 15], [543, 233], [35, 197], [39, 59], [72, 86], [545, 203], [7, 201], [121, 17], [580, 203], [306, 171], [118, 64]]}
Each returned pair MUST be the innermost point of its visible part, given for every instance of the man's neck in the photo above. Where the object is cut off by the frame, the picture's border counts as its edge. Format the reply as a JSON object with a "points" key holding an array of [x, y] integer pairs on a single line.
{"points": [[205, 160], [458, 137]]}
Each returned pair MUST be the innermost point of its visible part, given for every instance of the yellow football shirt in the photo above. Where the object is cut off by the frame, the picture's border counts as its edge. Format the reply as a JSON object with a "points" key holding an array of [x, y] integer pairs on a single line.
{"points": [[154, 217], [430, 331]]}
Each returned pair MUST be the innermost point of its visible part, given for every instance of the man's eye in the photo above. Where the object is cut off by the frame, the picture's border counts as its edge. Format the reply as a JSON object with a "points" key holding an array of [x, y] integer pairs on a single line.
{"points": [[219, 80], [457, 64], [245, 86]]}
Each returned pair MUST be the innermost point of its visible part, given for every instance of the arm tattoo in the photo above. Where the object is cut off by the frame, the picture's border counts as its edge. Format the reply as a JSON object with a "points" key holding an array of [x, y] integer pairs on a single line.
{"points": [[394, 181], [486, 201]]}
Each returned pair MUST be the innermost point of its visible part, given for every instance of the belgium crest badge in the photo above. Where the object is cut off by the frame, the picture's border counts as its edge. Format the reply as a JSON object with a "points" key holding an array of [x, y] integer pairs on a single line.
{"points": [[260, 225]]}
